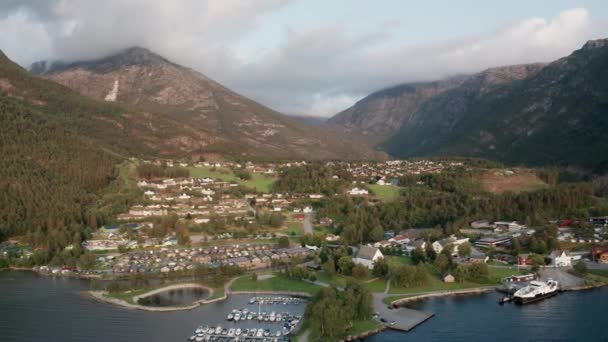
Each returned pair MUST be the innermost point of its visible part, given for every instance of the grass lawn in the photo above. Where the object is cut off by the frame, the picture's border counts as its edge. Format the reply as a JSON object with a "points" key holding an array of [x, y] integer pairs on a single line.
{"points": [[385, 192], [258, 182], [127, 296], [601, 273], [294, 229], [497, 273], [336, 279], [394, 260], [377, 286], [360, 327], [277, 283], [208, 172]]}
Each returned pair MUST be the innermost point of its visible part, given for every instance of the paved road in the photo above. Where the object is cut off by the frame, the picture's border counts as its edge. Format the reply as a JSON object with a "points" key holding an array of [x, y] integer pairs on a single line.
{"points": [[307, 224]]}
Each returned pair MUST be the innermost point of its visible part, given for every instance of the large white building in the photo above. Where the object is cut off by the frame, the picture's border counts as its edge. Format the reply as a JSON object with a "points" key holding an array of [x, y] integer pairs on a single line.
{"points": [[560, 258], [367, 255]]}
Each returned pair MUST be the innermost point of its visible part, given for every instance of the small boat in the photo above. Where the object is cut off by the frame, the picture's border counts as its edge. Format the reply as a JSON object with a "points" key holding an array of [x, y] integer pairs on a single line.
{"points": [[272, 316], [230, 317], [192, 338], [231, 332], [250, 316], [207, 337], [224, 331], [279, 317], [260, 333], [237, 317], [199, 329], [266, 332], [252, 300], [218, 330], [198, 338], [278, 333]]}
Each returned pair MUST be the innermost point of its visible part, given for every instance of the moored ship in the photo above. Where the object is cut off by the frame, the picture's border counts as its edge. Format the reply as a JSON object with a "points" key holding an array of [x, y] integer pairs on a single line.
{"points": [[535, 291]]}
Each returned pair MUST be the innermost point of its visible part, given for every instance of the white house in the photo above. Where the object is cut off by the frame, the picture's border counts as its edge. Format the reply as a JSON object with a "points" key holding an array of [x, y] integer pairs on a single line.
{"points": [[307, 210], [439, 245], [184, 196], [560, 258], [357, 191], [367, 255]]}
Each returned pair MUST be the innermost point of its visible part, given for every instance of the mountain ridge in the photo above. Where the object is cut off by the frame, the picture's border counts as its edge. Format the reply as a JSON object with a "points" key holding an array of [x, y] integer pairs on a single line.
{"points": [[229, 122]]}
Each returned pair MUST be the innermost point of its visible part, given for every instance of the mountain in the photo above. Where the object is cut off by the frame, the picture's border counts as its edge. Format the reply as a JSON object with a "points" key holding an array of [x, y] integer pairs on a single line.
{"points": [[224, 121], [60, 152], [382, 113], [556, 115], [311, 120]]}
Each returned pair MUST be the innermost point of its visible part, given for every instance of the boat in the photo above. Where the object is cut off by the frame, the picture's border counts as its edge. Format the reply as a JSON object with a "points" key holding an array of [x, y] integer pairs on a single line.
{"points": [[279, 317], [198, 338], [535, 291], [237, 317], [252, 300], [218, 330], [224, 331], [278, 333], [266, 332], [238, 332], [231, 332], [250, 316], [199, 329], [260, 333], [272, 316], [230, 317]]}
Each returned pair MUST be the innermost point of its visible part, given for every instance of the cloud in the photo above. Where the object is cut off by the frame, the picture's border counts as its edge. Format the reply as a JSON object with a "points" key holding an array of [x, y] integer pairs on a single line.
{"points": [[316, 70]]}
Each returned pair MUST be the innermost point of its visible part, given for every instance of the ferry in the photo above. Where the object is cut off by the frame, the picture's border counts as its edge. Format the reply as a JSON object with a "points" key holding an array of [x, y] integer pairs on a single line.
{"points": [[537, 290]]}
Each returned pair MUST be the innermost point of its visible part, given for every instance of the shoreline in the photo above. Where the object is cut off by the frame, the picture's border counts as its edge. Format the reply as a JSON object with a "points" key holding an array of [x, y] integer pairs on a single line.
{"points": [[463, 292], [102, 297]]}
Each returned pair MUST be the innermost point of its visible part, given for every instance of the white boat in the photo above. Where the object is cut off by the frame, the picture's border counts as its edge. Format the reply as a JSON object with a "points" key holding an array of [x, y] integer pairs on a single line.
{"points": [[230, 317], [238, 332], [237, 317], [250, 316], [199, 329], [278, 334], [198, 338], [279, 317], [231, 332], [272, 316], [537, 290], [260, 333], [218, 330]]}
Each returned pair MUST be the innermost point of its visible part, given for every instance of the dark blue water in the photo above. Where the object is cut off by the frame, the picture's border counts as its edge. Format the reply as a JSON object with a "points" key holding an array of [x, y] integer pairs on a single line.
{"points": [[571, 316], [39, 308]]}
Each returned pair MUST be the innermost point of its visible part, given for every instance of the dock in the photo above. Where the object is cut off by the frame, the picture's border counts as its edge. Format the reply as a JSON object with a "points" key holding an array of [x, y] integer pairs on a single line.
{"points": [[400, 318]]}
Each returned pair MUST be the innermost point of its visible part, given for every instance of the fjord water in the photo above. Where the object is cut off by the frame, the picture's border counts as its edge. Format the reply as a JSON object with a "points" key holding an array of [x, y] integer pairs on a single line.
{"points": [[40, 308], [571, 316]]}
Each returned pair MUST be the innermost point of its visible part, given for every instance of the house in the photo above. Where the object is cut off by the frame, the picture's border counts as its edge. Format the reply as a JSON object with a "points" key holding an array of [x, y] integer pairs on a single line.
{"points": [[600, 254], [494, 241], [367, 255], [560, 258], [481, 224], [448, 278], [439, 245], [412, 245], [524, 260], [357, 191]]}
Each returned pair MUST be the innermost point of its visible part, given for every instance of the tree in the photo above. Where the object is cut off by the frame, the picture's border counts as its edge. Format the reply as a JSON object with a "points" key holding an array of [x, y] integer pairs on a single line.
{"points": [[360, 272], [464, 250], [380, 269], [330, 266], [442, 263], [254, 277], [283, 242], [377, 233], [345, 265], [580, 268], [87, 261], [418, 255]]}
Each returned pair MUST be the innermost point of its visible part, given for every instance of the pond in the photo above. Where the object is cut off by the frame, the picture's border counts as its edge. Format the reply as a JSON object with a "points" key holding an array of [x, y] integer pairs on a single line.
{"points": [[174, 297]]}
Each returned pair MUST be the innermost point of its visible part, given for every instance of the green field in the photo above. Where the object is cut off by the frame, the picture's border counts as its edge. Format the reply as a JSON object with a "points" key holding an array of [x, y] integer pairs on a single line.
{"points": [[377, 285], [277, 283], [127, 296], [294, 229], [394, 260], [360, 327], [260, 183], [385, 192]]}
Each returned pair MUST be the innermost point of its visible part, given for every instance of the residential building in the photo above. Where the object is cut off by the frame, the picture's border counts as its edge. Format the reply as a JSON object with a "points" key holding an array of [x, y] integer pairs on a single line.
{"points": [[367, 255]]}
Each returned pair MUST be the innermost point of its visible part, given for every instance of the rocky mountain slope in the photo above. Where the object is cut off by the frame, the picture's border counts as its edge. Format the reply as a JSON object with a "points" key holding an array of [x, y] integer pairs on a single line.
{"points": [[224, 121], [382, 113], [556, 114]]}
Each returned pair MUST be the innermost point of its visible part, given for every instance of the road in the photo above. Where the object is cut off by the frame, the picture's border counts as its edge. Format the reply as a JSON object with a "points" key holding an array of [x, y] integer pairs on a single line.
{"points": [[307, 224]]}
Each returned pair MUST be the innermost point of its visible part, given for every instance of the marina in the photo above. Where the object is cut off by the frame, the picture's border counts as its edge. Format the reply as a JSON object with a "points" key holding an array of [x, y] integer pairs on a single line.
{"points": [[258, 322]]}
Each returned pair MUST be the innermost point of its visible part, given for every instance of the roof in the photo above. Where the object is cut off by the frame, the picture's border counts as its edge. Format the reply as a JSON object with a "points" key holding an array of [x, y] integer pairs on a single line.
{"points": [[367, 252]]}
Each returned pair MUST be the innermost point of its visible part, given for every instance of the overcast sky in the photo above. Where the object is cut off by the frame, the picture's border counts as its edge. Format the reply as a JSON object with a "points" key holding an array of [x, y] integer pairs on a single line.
{"points": [[307, 57]]}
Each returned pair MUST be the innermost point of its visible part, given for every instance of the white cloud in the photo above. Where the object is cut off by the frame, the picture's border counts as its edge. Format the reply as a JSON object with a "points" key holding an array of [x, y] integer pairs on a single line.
{"points": [[316, 70]]}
